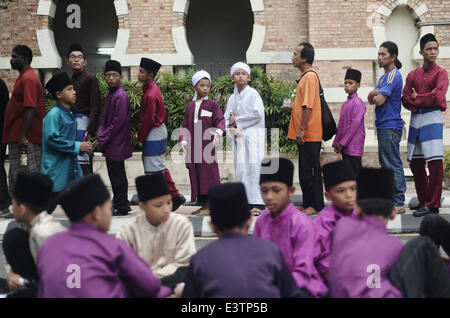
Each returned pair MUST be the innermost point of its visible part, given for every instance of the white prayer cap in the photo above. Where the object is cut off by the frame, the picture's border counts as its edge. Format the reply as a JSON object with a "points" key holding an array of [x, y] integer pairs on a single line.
{"points": [[200, 75], [240, 66]]}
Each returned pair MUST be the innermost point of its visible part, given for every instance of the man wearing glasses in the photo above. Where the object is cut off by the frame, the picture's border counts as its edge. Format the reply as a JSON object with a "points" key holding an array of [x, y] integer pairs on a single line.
{"points": [[87, 107]]}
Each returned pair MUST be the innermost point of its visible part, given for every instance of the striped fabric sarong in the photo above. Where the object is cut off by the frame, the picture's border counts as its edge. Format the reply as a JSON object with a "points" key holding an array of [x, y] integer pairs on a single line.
{"points": [[425, 135], [82, 123], [154, 150]]}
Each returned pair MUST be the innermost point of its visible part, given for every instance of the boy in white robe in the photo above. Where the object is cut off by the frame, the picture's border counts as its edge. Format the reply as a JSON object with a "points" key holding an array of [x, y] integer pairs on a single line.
{"points": [[164, 240], [246, 122]]}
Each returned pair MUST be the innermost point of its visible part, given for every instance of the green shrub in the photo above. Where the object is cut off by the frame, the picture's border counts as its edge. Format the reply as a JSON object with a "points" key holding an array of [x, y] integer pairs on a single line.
{"points": [[177, 91], [447, 163]]}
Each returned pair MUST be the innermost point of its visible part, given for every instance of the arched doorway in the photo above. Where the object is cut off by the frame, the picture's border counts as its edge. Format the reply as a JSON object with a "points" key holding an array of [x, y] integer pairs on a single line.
{"points": [[401, 29], [80, 22], [219, 33]]}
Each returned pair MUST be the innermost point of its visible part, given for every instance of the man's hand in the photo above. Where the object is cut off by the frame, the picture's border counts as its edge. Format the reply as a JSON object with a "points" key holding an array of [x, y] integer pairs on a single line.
{"points": [[86, 146], [300, 135], [183, 147], [232, 118], [216, 137], [372, 94], [23, 143], [13, 281], [413, 94], [338, 149]]}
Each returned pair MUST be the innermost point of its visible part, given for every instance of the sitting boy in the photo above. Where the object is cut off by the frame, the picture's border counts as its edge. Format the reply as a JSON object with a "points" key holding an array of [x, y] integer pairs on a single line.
{"points": [[237, 265], [290, 229], [340, 189], [163, 239], [362, 253], [87, 262], [30, 198]]}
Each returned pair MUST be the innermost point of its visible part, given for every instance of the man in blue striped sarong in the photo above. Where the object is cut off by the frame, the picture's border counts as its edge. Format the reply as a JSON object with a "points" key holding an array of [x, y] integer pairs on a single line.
{"points": [[152, 131], [425, 96]]}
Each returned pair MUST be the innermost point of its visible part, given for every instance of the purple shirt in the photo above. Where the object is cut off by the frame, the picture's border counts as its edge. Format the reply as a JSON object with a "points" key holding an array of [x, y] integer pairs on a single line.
{"points": [[351, 132], [293, 232], [114, 132], [104, 267], [358, 248], [324, 225]]}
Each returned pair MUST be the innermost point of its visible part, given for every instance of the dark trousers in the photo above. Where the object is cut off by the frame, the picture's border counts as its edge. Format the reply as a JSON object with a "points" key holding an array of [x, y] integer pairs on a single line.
{"points": [[52, 202], [172, 187], [420, 271], [354, 161], [5, 200], [88, 169], [176, 278], [310, 175], [119, 184], [428, 188]]}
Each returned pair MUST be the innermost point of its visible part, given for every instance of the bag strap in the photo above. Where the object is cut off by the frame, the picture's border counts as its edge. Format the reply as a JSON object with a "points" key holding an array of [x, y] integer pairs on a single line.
{"points": [[320, 85]]}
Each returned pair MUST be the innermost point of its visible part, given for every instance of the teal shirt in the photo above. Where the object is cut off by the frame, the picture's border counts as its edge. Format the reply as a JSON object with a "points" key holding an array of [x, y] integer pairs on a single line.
{"points": [[60, 148]]}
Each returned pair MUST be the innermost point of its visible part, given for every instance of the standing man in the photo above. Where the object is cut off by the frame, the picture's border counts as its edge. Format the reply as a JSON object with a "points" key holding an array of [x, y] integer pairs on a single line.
{"points": [[87, 107], [387, 97], [5, 200], [114, 136], [22, 130], [152, 131], [306, 128], [424, 95]]}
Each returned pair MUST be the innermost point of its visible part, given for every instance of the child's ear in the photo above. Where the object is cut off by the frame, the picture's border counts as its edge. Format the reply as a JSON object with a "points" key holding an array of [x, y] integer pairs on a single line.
{"points": [[327, 196], [358, 85], [142, 206], [58, 94]]}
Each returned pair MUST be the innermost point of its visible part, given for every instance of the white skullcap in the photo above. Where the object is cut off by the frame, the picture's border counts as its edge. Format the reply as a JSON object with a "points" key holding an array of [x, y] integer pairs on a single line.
{"points": [[200, 75], [240, 66], [197, 77]]}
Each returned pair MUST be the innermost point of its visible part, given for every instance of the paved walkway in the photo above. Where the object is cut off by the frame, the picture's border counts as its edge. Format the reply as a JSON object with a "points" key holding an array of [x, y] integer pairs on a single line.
{"points": [[405, 223]]}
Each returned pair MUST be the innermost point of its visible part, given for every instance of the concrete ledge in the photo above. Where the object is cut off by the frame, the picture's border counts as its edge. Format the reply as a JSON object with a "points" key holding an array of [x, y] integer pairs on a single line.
{"points": [[404, 223]]}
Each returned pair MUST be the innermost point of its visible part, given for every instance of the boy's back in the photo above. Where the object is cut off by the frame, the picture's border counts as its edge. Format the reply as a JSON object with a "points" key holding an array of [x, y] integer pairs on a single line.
{"points": [[360, 251], [84, 262], [240, 266]]}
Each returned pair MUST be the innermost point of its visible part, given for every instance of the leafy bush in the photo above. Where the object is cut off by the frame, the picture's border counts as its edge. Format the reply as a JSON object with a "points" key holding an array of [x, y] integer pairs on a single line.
{"points": [[447, 163], [177, 92]]}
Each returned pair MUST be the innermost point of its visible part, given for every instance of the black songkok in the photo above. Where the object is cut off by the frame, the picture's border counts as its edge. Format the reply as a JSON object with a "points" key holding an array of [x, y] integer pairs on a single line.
{"points": [[353, 75], [337, 172], [75, 47], [151, 186], [33, 188], [150, 65], [375, 184], [113, 65], [57, 83], [229, 205], [82, 196], [283, 171]]}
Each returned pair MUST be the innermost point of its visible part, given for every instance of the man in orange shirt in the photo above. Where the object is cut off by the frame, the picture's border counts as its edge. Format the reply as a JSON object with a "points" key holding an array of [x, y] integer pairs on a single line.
{"points": [[306, 128]]}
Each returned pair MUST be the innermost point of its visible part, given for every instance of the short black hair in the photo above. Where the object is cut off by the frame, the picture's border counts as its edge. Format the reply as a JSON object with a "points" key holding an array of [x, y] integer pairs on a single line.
{"points": [[223, 229], [24, 51], [33, 207], [376, 206], [307, 52], [429, 37]]}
